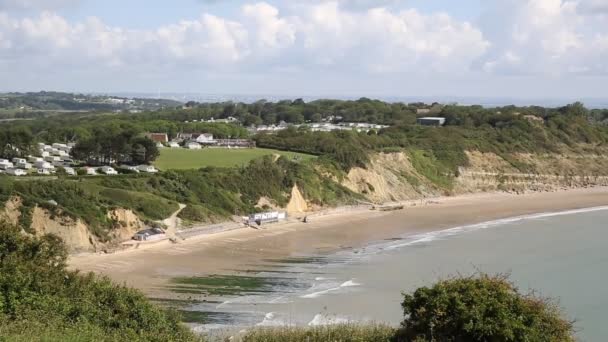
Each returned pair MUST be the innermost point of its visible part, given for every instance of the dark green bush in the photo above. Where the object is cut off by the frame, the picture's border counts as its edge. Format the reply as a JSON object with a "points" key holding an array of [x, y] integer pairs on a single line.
{"points": [[482, 308], [37, 290]]}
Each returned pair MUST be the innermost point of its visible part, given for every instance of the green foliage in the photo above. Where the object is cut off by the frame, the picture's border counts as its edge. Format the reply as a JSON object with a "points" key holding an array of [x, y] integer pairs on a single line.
{"points": [[428, 165], [483, 308], [37, 289], [115, 142]]}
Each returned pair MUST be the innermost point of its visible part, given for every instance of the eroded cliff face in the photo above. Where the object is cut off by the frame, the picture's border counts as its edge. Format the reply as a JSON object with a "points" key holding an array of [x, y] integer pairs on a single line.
{"points": [[389, 177], [126, 224], [489, 172], [12, 211], [74, 233], [392, 177]]}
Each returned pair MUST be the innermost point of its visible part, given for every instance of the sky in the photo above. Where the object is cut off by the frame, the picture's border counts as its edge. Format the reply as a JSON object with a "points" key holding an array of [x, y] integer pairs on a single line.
{"points": [[375, 48]]}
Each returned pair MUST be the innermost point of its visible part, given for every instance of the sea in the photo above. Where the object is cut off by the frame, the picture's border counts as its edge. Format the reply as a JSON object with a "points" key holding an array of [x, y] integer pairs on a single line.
{"points": [[562, 255]]}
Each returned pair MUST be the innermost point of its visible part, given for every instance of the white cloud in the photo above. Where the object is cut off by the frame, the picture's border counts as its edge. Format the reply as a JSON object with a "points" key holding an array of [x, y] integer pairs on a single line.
{"points": [[348, 39], [552, 37], [320, 35]]}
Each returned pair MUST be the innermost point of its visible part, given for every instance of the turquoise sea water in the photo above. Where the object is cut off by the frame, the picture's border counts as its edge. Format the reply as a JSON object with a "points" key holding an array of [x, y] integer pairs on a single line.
{"points": [[563, 256]]}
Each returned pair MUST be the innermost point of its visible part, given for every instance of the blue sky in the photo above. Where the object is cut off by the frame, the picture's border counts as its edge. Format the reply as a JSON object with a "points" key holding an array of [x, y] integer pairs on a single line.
{"points": [[498, 48]]}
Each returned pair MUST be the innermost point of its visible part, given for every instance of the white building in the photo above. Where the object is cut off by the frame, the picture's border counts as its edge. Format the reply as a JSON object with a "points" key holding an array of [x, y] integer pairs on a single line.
{"points": [[90, 171], [45, 172], [19, 160], [173, 144], [108, 170], [152, 234], [70, 171], [24, 165], [193, 146], [130, 168], [205, 138], [43, 165], [147, 168], [5, 164], [16, 172]]}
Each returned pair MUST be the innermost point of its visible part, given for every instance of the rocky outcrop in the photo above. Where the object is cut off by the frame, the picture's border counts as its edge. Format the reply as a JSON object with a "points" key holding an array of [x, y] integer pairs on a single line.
{"points": [[297, 204]]}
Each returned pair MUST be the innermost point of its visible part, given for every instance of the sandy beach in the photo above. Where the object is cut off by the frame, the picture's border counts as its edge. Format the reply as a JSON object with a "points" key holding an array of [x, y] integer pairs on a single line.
{"points": [[150, 267]]}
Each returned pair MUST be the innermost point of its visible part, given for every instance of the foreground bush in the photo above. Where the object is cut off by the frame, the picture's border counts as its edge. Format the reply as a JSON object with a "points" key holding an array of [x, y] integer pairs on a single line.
{"points": [[41, 300], [337, 333], [483, 308]]}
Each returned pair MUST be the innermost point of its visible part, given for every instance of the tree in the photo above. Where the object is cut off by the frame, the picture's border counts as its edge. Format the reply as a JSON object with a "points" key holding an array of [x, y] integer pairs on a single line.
{"points": [[482, 308], [144, 151]]}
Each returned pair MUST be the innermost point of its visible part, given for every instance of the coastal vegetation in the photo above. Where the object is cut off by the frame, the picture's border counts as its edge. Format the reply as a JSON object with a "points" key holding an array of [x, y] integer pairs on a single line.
{"points": [[211, 194], [40, 300], [478, 308], [218, 184]]}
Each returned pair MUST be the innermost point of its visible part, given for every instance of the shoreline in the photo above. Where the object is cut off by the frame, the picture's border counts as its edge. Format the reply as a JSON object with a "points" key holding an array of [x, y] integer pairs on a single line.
{"points": [[149, 268]]}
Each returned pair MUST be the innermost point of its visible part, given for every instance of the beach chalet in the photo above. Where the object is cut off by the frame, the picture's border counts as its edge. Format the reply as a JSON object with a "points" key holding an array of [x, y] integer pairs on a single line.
{"points": [[161, 138], [19, 161], [147, 168], [265, 218], [151, 234], [44, 172], [16, 172], [90, 171], [431, 121], [173, 144]]}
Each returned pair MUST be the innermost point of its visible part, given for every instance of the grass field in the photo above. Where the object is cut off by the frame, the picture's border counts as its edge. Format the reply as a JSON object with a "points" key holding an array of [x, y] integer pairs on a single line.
{"points": [[181, 159]]}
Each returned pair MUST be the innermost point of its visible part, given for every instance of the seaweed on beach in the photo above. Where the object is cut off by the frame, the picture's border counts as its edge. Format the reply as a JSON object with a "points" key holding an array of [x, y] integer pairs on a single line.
{"points": [[225, 285]]}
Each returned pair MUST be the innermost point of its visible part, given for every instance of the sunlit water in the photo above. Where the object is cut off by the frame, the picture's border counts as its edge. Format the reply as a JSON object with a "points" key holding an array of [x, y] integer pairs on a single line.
{"points": [[561, 255]]}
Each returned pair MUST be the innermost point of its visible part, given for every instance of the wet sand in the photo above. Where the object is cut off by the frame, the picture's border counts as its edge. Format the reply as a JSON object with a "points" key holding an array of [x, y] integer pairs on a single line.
{"points": [[149, 268]]}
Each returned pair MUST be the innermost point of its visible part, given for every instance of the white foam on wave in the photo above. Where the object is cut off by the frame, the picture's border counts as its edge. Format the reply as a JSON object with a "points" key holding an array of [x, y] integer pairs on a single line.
{"points": [[272, 320], [350, 283], [432, 236], [321, 319]]}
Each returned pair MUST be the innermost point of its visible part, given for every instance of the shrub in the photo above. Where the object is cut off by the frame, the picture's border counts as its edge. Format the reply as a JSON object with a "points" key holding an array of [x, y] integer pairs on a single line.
{"points": [[37, 290], [482, 308]]}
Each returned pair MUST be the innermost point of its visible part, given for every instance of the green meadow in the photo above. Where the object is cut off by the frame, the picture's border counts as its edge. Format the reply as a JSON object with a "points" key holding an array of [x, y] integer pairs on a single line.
{"points": [[184, 159]]}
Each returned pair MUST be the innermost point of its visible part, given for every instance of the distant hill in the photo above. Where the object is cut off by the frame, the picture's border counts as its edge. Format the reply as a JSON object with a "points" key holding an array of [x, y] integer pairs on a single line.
{"points": [[14, 104]]}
